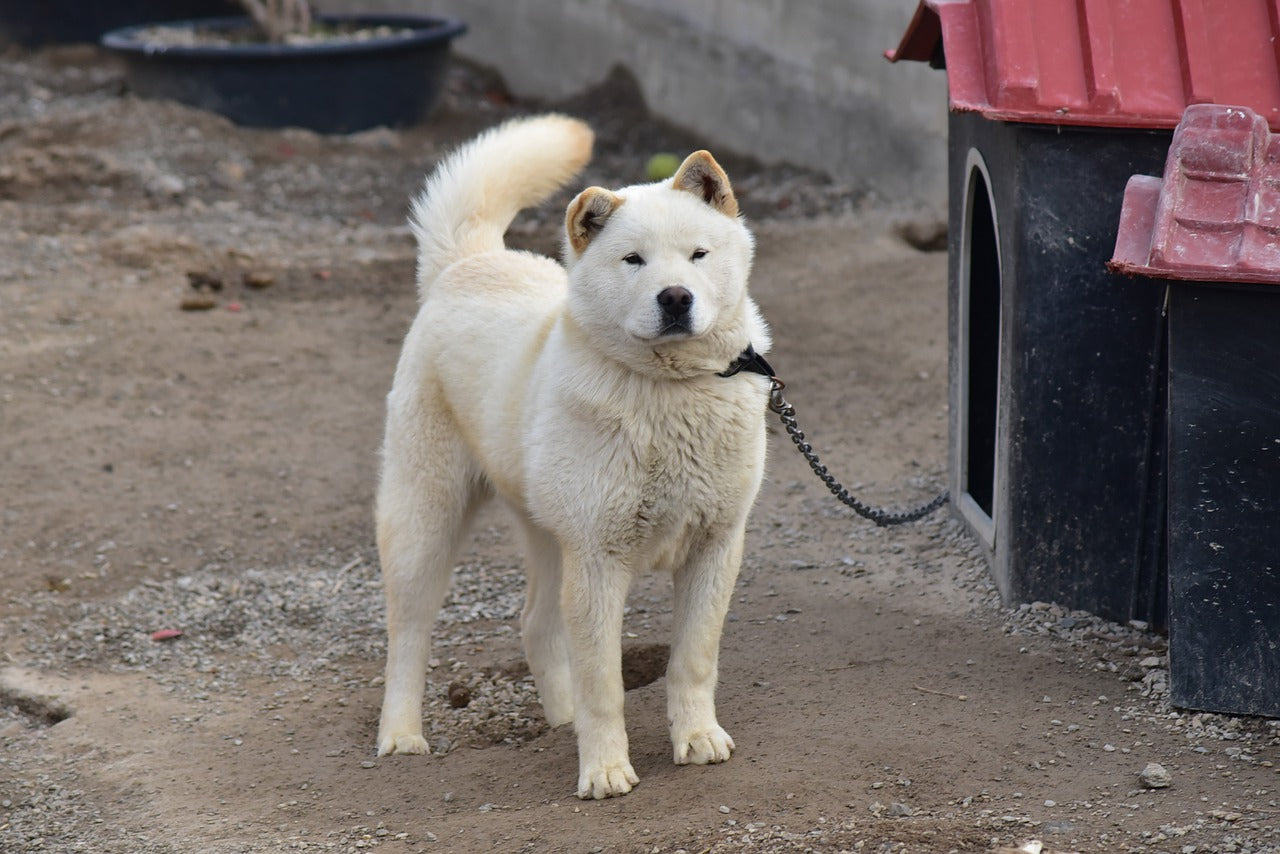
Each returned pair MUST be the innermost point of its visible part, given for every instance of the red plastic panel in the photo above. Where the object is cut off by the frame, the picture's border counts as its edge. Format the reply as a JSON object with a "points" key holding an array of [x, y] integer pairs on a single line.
{"points": [[1120, 63], [1215, 215]]}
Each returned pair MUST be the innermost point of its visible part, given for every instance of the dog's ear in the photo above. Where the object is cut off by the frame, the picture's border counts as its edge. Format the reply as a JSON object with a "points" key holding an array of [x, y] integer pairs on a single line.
{"points": [[587, 214], [701, 175]]}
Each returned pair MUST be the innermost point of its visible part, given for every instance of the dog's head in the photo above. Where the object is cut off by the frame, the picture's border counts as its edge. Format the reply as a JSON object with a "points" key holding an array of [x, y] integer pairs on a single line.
{"points": [[658, 272]]}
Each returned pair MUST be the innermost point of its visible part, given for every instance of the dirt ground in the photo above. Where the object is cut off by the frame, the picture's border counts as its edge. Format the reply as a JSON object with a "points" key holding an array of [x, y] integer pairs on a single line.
{"points": [[210, 472]]}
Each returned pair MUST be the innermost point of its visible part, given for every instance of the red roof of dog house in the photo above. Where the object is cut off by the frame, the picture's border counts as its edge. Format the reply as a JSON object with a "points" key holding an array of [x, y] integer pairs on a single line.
{"points": [[1116, 63], [1215, 215]]}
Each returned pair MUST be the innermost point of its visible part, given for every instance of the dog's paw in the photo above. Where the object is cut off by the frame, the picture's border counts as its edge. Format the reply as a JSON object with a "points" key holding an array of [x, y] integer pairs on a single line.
{"points": [[402, 743], [704, 746], [607, 781]]}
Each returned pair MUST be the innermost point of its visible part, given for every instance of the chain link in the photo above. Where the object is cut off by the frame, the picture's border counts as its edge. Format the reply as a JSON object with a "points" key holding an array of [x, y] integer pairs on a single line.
{"points": [[882, 517]]}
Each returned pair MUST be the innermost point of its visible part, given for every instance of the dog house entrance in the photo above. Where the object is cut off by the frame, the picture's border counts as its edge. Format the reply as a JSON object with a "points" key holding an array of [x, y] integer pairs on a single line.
{"points": [[979, 351]]}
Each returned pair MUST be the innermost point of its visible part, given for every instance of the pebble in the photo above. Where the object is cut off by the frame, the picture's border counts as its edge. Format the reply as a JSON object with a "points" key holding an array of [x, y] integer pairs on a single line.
{"points": [[165, 184], [459, 695], [258, 280], [1155, 776], [198, 302]]}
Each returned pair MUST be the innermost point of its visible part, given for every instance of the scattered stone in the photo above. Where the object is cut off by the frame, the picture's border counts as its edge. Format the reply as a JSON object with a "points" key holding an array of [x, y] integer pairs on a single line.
{"points": [[57, 584], [1031, 846], [459, 695], [165, 184], [199, 302], [925, 234], [202, 282], [258, 280], [1155, 776]]}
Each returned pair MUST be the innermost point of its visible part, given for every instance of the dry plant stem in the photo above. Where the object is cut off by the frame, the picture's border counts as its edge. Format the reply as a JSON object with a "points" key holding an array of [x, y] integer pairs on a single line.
{"points": [[280, 18]]}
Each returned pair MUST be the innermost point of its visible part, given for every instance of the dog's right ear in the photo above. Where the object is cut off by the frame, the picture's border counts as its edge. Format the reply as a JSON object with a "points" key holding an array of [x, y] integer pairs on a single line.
{"points": [[587, 214]]}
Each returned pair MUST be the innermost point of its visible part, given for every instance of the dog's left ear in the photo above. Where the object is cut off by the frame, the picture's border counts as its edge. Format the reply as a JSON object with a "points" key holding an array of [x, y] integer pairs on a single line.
{"points": [[701, 175]]}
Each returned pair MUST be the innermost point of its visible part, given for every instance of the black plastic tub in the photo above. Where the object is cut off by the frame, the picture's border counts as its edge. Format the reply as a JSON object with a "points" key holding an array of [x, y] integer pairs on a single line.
{"points": [[33, 23], [332, 86]]}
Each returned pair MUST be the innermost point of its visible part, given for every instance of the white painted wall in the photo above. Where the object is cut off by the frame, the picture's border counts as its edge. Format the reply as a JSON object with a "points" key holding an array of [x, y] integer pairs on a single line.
{"points": [[795, 81]]}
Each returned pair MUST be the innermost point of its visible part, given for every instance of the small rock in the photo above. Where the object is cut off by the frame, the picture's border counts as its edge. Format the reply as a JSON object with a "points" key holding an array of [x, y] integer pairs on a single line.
{"points": [[1155, 776], [927, 234], [165, 184], [229, 172], [1031, 846], [202, 281], [724, 809], [258, 280], [459, 695], [199, 302]]}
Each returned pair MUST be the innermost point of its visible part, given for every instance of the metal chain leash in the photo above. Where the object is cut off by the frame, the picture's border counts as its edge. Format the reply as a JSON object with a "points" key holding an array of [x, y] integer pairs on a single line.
{"points": [[879, 515]]}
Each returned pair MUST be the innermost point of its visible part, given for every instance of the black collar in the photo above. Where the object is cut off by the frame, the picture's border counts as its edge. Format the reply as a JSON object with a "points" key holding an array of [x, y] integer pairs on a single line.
{"points": [[749, 360]]}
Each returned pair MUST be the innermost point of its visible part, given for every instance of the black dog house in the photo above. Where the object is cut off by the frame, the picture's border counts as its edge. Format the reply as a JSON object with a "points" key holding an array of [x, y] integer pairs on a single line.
{"points": [[1058, 392], [1208, 234]]}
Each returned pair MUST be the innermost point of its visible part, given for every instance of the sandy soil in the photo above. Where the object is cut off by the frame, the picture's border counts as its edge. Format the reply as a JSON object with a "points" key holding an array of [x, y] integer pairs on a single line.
{"points": [[211, 472]]}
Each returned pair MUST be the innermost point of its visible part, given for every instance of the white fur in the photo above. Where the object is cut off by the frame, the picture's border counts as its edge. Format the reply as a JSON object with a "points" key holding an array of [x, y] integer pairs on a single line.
{"points": [[618, 449]]}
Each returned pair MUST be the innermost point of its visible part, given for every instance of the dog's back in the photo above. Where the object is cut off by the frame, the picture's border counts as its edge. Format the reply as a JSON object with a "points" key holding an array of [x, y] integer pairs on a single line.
{"points": [[471, 197]]}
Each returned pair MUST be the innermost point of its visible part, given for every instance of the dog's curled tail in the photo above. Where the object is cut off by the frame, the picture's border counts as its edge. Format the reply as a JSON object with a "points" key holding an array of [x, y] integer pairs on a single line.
{"points": [[473, 194]]}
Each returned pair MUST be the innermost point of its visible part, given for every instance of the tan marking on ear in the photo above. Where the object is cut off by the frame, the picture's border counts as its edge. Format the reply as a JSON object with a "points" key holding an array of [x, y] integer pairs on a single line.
{"points": [[701, 175], [587, 215]]}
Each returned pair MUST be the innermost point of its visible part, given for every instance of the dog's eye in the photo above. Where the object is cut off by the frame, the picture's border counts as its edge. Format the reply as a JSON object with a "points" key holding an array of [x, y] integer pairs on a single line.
{"points": [[698, 253], [634, 259]]}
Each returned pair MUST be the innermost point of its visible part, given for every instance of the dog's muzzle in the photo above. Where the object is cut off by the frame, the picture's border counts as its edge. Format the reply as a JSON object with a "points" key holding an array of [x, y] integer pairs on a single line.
{"points": [[675, 304]]}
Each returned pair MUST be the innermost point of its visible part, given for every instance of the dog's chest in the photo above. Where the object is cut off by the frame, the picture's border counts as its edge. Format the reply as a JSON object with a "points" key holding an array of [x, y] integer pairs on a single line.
{"points": [[646, 477], [693, 473]]}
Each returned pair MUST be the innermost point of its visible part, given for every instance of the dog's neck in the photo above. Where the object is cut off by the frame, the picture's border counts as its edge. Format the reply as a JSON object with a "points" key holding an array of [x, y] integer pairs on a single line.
{"points": [[676, 359]]}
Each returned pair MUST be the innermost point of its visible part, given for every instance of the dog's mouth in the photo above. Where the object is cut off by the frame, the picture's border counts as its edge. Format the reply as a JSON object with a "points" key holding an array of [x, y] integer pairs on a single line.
{"points": [[675, 327]]}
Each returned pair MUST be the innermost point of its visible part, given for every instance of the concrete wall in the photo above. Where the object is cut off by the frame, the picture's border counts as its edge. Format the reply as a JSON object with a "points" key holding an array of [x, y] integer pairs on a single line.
{"points": [[795, 81]]}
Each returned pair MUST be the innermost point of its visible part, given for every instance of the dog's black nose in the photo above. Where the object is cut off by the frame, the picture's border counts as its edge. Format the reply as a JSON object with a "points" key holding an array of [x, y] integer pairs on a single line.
{"points": [[675, 301]]}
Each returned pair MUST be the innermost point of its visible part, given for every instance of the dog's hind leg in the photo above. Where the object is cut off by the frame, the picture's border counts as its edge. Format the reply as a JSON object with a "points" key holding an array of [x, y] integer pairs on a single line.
{"points": [[425, 502], [546, 645], [703, 590]]}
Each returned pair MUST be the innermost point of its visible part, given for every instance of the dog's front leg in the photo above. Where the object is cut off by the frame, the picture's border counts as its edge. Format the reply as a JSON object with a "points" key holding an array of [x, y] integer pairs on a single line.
{"points": [[593, 594], [703, 590]]}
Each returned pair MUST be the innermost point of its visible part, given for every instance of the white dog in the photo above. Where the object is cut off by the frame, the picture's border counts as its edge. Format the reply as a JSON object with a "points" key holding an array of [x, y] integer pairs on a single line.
{"points": [[591, 404]]}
